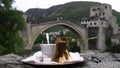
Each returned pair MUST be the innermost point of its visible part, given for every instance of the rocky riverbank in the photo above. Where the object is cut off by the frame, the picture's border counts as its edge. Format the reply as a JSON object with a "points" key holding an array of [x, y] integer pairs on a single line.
{"points": [[12, 61], [102, 60], [94, 60]]}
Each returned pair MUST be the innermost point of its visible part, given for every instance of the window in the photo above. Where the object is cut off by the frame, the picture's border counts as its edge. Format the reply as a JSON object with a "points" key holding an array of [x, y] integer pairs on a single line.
{"points": [[96, 14], [94, 9], [102, 23], [103, 13], [90, 23], [95, 23], [99, 14], [98, 8], [85, 20], [105, 7]]}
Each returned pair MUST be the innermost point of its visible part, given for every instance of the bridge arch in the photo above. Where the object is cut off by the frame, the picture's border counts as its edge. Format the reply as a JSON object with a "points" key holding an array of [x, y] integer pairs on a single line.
{"points": [[36, 29]]}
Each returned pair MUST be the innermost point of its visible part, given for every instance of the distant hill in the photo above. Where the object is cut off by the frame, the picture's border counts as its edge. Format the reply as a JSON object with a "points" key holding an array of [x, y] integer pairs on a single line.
{"points": [[73, 11], [117, 14]]}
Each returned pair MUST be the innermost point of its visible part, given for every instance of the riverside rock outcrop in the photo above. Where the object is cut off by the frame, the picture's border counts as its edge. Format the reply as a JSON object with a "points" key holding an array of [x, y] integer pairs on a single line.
{"points": [[102, 60], [12, 61], [94, 60]]}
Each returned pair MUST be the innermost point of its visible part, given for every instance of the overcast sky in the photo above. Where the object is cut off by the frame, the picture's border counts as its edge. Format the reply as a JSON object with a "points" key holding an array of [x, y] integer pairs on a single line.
{"points": [[24, 5]]}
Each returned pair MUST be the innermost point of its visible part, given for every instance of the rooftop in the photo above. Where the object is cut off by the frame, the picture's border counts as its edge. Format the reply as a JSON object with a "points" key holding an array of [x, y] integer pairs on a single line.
{"points": [[93, 18]]}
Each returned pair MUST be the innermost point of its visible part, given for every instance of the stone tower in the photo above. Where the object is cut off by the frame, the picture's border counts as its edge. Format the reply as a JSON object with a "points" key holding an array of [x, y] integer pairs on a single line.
{"points": [[103, 11], [100, 19]]}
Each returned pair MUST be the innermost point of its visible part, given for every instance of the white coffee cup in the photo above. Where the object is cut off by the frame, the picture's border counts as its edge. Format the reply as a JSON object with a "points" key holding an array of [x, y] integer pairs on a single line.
{"points": [[48, 49]]}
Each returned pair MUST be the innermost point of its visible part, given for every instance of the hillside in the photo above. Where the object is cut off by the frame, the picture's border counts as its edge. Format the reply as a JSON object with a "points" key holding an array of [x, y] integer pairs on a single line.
{"points": [[72, 11], [117, 14]]}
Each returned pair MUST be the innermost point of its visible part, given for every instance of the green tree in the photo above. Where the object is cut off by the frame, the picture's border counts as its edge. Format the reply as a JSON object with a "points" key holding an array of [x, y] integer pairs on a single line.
{"points": [[40, 39], [108, 41], [6, 4], [11, 22], [61, 34]]}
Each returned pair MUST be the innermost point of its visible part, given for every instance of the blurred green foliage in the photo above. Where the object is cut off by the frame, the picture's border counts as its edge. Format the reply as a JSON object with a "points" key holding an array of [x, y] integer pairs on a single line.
{"points": [[11, 22]]}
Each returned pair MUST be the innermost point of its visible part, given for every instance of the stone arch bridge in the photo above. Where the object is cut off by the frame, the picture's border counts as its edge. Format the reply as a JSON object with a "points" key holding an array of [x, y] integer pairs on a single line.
{"points": [[32, 31]]}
